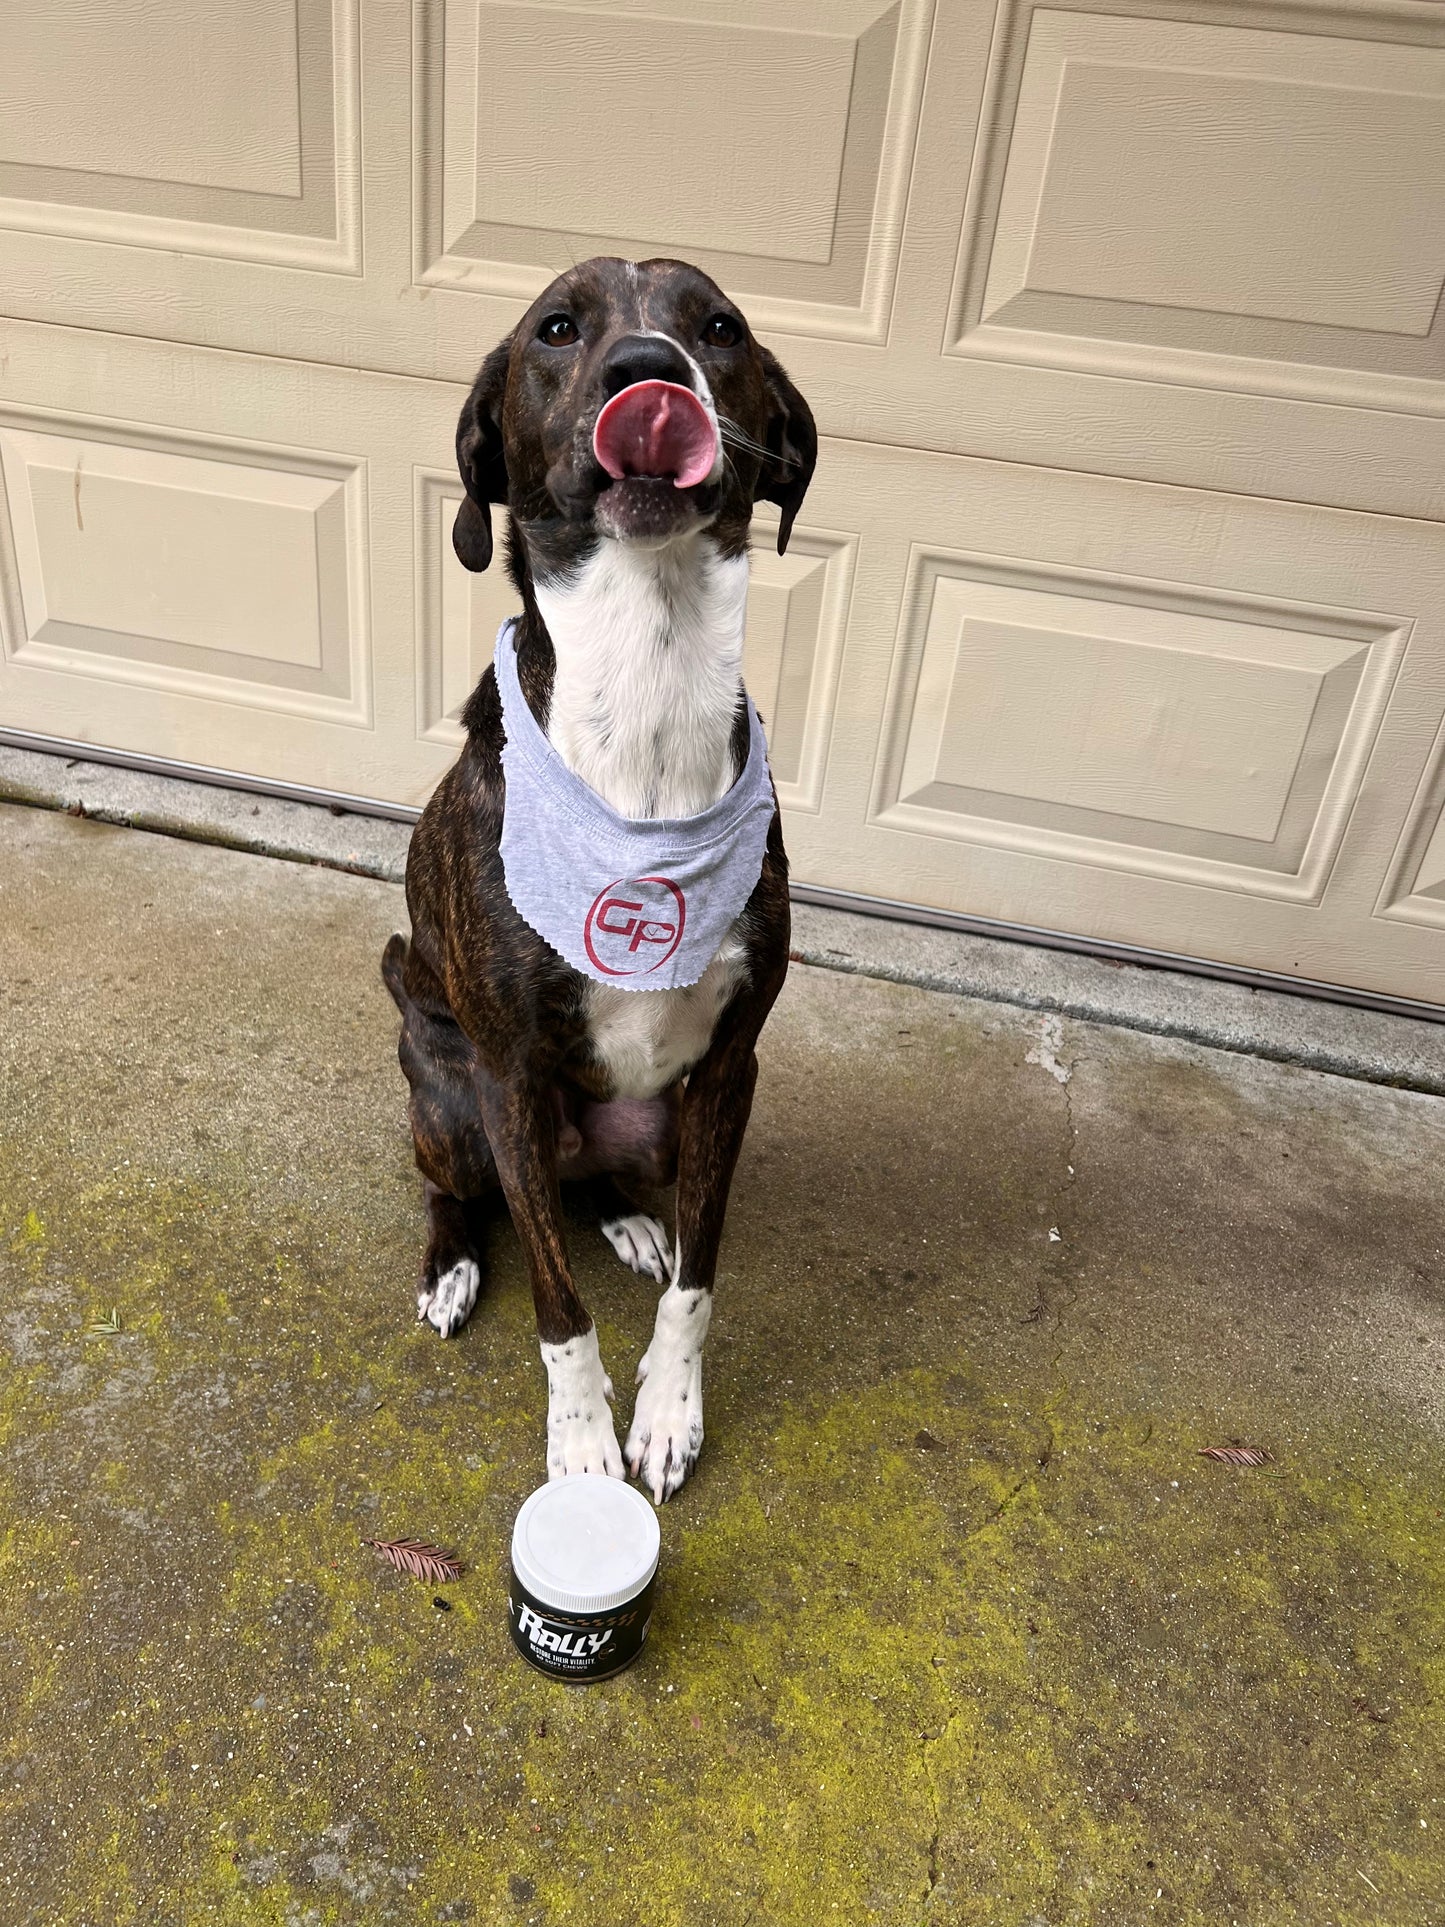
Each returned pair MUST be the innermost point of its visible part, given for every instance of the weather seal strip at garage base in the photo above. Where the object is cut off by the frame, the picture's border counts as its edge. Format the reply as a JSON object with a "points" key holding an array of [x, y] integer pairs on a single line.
{"points": [[823, 897], [1110, 952]]}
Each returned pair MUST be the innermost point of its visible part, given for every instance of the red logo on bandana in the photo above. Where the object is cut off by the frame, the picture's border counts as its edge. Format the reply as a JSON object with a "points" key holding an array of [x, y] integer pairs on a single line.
{"points": [[635, 925]]}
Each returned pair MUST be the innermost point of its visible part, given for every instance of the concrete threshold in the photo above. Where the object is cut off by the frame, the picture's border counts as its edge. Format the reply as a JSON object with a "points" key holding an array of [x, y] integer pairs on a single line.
{"points": [[1342, 1040]]}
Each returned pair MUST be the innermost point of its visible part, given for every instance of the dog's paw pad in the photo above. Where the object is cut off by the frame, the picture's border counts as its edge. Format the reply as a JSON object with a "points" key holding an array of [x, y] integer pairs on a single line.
{"points": [[642, 1243], [445, 1303]]}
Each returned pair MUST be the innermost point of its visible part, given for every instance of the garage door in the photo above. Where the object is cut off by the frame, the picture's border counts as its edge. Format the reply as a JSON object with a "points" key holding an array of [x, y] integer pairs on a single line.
{"points": [[1120, 604]]}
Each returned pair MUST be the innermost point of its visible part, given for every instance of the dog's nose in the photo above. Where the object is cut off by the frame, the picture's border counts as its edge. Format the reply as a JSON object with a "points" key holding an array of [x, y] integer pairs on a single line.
{"points": [[643, 358]]}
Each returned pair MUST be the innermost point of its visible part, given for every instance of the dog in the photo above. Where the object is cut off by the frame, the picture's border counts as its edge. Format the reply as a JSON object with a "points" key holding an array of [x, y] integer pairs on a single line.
{"points": [[629, 422]]}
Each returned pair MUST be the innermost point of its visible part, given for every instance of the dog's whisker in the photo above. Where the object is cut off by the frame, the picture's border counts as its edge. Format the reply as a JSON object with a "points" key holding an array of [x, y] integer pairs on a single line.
{"points": [[730, 432]]}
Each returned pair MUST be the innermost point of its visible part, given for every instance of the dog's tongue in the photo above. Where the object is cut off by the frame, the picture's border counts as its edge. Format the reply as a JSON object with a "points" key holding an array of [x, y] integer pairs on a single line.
{"points": [[656, 428]]}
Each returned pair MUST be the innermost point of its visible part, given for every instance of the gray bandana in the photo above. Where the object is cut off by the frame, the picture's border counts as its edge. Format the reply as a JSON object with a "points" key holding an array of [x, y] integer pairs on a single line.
{"points": [[639, 903]]}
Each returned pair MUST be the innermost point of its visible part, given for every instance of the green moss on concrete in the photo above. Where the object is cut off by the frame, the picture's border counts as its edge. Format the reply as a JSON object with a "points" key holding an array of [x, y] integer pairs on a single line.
{"points": [[982, 1643], [921, 1655]]}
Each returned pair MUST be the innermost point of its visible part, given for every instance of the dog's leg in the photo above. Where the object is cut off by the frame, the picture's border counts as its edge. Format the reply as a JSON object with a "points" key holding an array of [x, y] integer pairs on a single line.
{"points": [[521, 1126], [666, 1433], [451, 1270], [639, 1239], [452, 1151], [614, 1145]]}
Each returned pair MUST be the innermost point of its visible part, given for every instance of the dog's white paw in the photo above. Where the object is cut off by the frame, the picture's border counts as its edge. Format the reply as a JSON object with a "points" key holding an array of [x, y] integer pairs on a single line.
{"points": [[641, 1242], [580, 1437], [448, 1305], [666, 1433]]}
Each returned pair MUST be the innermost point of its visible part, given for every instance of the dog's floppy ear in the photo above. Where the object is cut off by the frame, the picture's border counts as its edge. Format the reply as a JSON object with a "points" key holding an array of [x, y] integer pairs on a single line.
{"points": [[481, 461], [792, 444]]}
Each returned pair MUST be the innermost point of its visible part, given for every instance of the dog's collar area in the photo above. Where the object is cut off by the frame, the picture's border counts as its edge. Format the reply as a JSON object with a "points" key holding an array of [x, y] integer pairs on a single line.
{"points": [[527, 741], [640, 903]]}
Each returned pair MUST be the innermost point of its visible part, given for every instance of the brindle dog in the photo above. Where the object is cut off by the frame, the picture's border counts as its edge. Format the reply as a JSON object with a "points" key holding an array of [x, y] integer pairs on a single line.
{"points": [[524, 1072]]}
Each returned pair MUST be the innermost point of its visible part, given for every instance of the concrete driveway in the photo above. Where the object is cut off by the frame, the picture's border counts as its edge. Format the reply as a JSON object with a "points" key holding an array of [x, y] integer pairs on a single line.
{"points": [[956, 1624]]}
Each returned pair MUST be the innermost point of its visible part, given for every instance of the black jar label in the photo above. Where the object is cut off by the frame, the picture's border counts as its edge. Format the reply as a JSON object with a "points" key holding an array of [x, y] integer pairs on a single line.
{"points": [[577, 1646]]}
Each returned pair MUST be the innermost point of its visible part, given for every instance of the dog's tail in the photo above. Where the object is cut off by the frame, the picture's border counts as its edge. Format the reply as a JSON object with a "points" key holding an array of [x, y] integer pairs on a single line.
{"points": [[393, 965]]}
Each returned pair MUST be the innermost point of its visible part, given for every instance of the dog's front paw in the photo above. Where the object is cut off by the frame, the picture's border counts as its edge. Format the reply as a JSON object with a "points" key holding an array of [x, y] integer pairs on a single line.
{"points": [[641, 1242], [580, 1437], [666, 1433], [445, 1301]]}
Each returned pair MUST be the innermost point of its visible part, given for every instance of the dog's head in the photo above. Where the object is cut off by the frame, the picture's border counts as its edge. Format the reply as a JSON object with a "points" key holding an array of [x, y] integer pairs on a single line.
{"points": [[630, 403]]}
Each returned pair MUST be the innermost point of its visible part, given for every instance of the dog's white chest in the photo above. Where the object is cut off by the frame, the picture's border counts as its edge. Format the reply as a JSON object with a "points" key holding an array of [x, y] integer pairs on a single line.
{"points": [[648, 1039], [648, 648], [648, 654]]}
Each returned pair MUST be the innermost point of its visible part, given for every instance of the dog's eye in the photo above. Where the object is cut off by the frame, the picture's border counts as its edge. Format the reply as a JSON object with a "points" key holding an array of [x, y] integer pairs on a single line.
{"points": [[558, 331], [721, 331]]}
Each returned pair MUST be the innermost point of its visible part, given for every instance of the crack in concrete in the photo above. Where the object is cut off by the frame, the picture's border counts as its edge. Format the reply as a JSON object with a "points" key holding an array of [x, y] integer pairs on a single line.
{"points": [[1067, 1259], [1046, 1056], [1062, 1261], [1071, 1178], [1051, 1041], [930, 1742], [933, 1872]]}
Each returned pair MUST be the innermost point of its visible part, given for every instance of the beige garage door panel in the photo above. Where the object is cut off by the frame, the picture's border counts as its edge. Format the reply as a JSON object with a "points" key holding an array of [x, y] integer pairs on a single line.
{"points": [[1204, 201], [177, 578], [1414, 890], [1189, 242], [254, 157], [934, 279], [807, 230], [207, 134], [771, 139], [1196, 723]]}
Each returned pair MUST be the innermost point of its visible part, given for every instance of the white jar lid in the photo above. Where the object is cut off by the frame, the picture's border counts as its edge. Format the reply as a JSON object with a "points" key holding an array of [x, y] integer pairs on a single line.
{"points": [[585, 1543]]}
